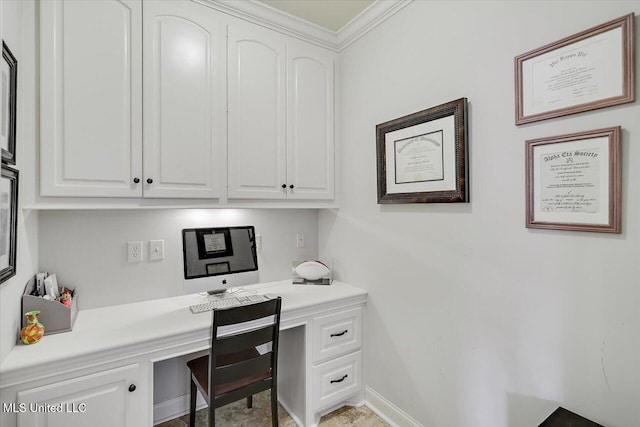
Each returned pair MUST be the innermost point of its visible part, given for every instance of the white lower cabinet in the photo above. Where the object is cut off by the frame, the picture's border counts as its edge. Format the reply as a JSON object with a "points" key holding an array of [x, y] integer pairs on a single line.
{"points": [[337, 357], [336, 334], [336, 380], [110, 398]]}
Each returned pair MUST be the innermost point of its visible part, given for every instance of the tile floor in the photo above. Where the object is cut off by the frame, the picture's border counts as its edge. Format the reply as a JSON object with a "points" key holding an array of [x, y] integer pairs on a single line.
{"points": [[237, 415]]}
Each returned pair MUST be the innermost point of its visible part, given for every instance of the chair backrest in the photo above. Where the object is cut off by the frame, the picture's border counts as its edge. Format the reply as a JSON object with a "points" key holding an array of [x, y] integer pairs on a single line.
{"points": [[244, 343]]}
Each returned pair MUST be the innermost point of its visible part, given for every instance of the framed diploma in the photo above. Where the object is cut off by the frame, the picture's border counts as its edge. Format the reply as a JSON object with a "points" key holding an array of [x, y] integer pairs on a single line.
{"points": [[8, 80], [573, 181], [8, 222], [422, 157], [589, 70]]}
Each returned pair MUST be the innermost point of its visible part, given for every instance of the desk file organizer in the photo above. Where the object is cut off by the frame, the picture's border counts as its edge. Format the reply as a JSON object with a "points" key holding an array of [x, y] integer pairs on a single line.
{"points": [[55, 316]]}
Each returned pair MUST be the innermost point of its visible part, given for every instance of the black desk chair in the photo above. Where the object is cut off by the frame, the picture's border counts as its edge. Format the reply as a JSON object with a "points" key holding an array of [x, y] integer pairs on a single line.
{"points": [[234, 367]]}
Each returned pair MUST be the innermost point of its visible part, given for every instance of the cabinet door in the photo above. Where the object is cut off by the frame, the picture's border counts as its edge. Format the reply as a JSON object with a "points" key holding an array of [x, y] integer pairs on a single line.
{"points": [[184, 100], [91, 98], [336, 380], [310, 122], [256, 143], [99, 400], [336, 334]]}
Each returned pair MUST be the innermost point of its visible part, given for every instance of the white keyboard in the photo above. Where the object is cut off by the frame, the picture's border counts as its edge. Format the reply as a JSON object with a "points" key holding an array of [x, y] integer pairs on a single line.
{"points": [[226, 303]]}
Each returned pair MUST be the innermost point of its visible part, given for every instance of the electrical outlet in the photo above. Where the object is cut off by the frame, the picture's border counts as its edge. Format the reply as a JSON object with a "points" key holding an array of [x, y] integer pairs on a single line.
{"points": [[300, 240], [134, 251], [156, 250]]}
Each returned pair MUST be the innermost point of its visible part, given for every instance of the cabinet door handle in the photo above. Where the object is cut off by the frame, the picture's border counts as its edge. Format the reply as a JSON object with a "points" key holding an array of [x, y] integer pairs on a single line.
{"points": [[284, 185], [340, 334], [340, 380], [132, 388], [136, 180], [149, 181], [291, 186]]}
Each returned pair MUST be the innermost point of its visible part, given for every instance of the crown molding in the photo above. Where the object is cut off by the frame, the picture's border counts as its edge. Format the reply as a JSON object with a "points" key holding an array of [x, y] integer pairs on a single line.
{"points": [[266, 16], [269, 17], [367, 20]]}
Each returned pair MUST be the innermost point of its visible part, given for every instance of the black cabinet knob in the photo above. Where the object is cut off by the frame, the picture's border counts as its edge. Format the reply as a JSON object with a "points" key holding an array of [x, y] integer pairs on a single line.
{"points": [[149, 181], [284, 185], [291, 186], [136, 180], [132, 388]]}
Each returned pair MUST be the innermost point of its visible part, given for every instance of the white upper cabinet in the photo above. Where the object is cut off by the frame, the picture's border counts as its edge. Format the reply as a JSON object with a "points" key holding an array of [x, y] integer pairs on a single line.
{"points": [[91, 98], [225, 109], [281, 117], [256, 143], [184, 100], [310, 122]]}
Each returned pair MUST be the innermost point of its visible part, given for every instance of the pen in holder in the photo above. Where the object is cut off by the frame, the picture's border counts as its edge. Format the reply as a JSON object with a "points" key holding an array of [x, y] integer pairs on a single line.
{"points": [[56, 316]]}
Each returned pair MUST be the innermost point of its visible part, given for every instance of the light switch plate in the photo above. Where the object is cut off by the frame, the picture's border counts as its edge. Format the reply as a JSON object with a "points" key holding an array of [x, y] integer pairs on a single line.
{"points": [[156, 250]]}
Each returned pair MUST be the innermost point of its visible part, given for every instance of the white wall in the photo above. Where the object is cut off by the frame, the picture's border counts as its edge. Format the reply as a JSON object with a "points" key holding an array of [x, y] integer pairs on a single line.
{"points": [[18, 20], [474, 320], [88, 249]]}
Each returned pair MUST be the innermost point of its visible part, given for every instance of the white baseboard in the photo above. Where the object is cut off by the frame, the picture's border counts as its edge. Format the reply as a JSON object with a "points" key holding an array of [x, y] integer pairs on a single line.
{"points": [[388, 411], [286, 408], [174, 408]]}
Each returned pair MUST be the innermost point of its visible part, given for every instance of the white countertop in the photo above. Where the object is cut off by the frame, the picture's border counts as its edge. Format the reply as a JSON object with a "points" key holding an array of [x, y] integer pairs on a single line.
{"points": [[121, 331]]}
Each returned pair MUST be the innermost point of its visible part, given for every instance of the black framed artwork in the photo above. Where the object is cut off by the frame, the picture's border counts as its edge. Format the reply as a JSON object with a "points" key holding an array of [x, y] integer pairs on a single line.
{"points": [[9, 82], [422, 157], [8, 222]]}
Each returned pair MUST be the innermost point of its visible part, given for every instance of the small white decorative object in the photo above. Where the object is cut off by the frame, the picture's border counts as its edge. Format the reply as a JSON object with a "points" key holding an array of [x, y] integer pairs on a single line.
{"points": [[312, 270]]}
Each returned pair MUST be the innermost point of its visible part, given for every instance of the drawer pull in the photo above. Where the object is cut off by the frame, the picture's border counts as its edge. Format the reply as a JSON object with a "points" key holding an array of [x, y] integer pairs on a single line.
{"points": [[340, 334], [340, 380], [132, 388]]}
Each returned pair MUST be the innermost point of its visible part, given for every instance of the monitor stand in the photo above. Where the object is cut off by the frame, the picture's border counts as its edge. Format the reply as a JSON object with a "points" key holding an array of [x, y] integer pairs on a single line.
{"points": [[222, 293]]}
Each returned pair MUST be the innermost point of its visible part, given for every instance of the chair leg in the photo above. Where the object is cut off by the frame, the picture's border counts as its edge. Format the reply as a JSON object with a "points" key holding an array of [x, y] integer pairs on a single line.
{"points": [[192, 404], [212, 414], [250, 401], [274, 407]]}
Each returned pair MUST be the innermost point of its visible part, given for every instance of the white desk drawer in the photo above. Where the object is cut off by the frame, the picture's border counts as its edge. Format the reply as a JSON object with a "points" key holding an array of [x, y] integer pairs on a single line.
{"points": [[336, 334], [336, 380]]}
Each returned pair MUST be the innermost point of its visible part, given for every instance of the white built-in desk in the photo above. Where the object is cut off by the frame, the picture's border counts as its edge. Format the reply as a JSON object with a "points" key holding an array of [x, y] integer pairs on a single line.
{"points": [[101, 373]]}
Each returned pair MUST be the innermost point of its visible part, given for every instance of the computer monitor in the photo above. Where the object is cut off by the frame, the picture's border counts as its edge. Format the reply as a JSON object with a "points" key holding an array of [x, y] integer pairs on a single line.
{"points": [[218, 258]]}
